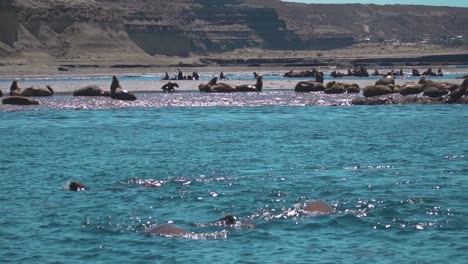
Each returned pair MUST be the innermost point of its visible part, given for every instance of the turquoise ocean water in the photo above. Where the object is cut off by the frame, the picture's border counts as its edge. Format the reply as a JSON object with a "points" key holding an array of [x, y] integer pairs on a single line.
{"points": [[396, 175]]}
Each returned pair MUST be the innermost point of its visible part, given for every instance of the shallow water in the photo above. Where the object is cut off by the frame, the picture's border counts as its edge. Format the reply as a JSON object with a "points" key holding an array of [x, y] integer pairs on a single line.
{"points": [[396, 175]]}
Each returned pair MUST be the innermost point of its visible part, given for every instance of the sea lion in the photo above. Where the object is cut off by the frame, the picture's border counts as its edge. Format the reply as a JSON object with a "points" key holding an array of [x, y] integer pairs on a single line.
{"points": [[19, 100], [91, 90], [319, 206], [228, 220], [309, 86], [352, 88], [411, 88], [169, 87], [223, 88], [206, 87], [387, 80], [118, 93], [251, 88], [167, 230], [77, 186], [335, 88], [456, 95], [376, 90], [180, 76], [15, 90]]}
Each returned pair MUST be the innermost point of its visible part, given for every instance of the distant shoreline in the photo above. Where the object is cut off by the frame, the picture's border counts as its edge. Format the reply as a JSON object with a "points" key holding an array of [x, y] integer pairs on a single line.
{"points": [[369, 55]]}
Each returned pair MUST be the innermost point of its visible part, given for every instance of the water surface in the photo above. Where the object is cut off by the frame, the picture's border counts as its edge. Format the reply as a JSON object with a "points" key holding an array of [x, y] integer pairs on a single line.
{"points": [[396, 175]]}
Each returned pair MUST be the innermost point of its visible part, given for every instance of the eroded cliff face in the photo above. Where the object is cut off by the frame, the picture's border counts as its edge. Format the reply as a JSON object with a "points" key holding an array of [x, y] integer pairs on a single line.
{"points": [[8, 23], [317, 24], [101, 29]]}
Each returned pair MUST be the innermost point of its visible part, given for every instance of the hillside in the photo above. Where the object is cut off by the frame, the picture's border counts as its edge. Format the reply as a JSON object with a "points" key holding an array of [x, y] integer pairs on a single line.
{"points": [[138, 30]]}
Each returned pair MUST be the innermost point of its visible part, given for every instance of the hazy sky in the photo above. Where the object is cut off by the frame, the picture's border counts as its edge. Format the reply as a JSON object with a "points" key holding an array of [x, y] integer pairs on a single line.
{"points": [[461, 3]]}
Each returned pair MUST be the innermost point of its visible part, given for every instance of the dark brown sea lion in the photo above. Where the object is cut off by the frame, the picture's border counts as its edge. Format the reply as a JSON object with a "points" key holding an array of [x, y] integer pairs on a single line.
{"points": [[77, 186], [411, 88], [223, 88], [19, 100], [170, 87], [257, 87], [118, 93], [309, 86], [206, 87], [387, 80], [458, 94], [91, 90], [228, 220], [15, 90], [376, 90]]}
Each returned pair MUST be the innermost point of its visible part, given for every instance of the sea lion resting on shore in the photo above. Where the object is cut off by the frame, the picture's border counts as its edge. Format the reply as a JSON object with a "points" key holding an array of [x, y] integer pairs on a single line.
{"points": [[309, 86], [206, 87], [257, 87], [91, 90], [213, 87], [19, 100], [15, 90], [170, 87], [118, 93]]}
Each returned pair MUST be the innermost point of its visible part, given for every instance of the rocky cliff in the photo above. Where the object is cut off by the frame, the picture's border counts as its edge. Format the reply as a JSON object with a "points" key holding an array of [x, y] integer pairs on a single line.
{"points": [[100, 29], [8, 22]]}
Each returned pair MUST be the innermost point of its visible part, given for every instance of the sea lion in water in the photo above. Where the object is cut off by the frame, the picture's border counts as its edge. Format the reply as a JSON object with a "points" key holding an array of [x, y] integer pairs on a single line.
{"points": [[228, 220], [319, 206], [77, 186], [118, 93], [167, 230]]}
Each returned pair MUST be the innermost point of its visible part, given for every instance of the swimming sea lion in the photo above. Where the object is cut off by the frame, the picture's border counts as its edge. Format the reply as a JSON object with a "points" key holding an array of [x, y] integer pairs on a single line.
{"points": [[228, 220], [319, 206], [76, 186], [167, 230]]}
